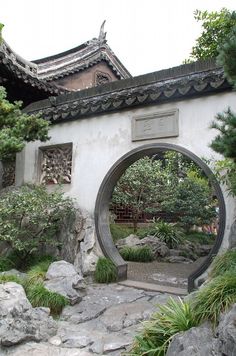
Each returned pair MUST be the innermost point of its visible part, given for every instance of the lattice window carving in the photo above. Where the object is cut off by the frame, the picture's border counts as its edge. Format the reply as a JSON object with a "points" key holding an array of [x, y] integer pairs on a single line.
{"points": [[56, 164]]}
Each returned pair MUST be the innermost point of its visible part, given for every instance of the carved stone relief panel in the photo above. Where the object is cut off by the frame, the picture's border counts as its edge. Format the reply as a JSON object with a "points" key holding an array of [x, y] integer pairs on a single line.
{"points": [[102, 78], [56, 164], [157, 125]]}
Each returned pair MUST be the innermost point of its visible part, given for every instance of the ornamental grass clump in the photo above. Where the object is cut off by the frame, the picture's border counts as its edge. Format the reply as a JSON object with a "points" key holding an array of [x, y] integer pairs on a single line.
{"points": [[223, 263], [215, 297], [39, 296], [173, 317], [168, 233], [106, 271], [137, 254]]}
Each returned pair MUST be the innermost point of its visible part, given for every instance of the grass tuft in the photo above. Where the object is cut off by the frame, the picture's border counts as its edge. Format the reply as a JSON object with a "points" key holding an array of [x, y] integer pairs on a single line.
{"points": [[215, 297], [137, 254], [106, 271], [223, 263], [173, 317], [4, 278], [39, 296]]}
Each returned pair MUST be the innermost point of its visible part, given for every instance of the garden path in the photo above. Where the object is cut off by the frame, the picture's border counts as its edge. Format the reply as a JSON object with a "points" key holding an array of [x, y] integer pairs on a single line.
{"points": [[103, 323]]}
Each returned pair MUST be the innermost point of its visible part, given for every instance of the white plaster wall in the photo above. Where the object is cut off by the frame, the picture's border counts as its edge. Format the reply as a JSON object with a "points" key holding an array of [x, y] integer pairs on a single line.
{"points": [[99, 141]]}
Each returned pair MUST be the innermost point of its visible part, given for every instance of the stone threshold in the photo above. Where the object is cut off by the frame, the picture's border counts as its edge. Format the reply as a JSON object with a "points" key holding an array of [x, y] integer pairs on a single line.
{"points": [[154, 287]]}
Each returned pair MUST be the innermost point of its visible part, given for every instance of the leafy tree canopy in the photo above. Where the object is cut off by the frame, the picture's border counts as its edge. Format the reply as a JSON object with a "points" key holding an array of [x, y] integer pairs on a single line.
{"points": [[17, 128], [216, 27]]}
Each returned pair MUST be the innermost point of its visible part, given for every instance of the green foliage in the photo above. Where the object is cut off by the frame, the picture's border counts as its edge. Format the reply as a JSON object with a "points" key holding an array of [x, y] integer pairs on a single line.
{"points": [[39, 296], [174, 317], [30, 217], [137, 254], [225, 141], [106, 271], [139, 187], [223, 263], [16, 127], [1, 27], [192, 201], [120, 231], [216, 27], [4, 278], [165, 182], [215, 297], [226, 174], [38, 272], [227, 57], [5, 264], [168, 233], [200, 237]]}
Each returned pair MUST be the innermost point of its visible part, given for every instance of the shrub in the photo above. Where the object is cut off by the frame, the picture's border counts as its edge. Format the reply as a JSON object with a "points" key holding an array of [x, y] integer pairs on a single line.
{"points": [[223, 263], [171, 318], [200, 237], [5, 264], [168, 233], [39, 296], [30, 218], [106, 271], [137, 254], [215, 297]]}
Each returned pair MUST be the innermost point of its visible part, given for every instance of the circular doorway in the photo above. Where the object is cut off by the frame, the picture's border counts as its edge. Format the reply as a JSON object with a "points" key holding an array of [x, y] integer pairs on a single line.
{"points": [[105, 192]]}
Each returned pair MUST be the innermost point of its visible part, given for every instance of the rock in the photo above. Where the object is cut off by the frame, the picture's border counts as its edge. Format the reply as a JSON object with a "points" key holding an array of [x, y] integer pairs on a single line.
{"points": [[227, 333], [158, 247], [14, 272], [197, 341], [131, 241], [162, 278], [124, 315], [62, 278], [43, 349], [87, 256], [19, 322], [232, 236], [82, 312]]}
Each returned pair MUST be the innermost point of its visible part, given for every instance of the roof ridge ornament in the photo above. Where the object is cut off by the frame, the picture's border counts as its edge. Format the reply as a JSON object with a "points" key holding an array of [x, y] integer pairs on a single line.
{"points": [[102, 34]]}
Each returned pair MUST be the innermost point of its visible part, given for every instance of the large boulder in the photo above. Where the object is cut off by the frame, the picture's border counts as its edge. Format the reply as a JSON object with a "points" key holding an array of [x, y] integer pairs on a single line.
{"points": [[63, 278], [19, 322], [197, 341], [227, 333]]}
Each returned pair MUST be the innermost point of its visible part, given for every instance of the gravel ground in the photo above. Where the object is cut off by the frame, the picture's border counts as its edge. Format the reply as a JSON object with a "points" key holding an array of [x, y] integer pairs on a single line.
{"points": [[174, 274]]}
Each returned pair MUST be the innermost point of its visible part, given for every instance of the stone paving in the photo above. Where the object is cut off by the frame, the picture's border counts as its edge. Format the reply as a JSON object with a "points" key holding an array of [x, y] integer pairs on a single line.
{"points": [[107, 319], [103, 323]]}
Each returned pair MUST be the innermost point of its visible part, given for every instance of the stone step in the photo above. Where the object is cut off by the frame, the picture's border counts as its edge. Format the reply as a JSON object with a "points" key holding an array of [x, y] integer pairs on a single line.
{"points": [[154, 287]]}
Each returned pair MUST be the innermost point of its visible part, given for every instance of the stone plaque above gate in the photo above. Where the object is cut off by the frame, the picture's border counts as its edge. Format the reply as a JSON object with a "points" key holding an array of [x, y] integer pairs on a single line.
{"points": [[157, 125]]}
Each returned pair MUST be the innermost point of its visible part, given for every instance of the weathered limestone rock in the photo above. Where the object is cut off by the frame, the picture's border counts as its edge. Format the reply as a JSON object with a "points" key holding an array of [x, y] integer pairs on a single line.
{"points": [[232, 236], [124, 315], [43, 349], [62, 278], [87, 254], [19, 322], [197, 341], [158, 247], [14, 272], [227, 333], [131, 241]]}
